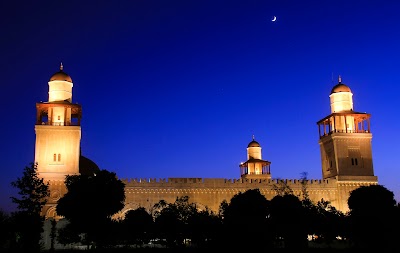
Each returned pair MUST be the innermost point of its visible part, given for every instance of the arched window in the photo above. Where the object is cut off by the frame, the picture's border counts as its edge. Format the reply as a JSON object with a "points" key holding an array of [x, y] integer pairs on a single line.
{"points": [[59, 157], [54, 157]]}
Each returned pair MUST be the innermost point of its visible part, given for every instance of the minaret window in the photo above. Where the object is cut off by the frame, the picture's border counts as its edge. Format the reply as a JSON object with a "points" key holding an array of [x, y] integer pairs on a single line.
{"points": [[56, 157], [354, 154], [354, 161], [58, 117]]}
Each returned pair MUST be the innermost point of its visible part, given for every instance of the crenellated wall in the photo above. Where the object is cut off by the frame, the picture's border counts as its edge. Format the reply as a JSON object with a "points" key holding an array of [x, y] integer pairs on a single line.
{"points": [[210, 192]]}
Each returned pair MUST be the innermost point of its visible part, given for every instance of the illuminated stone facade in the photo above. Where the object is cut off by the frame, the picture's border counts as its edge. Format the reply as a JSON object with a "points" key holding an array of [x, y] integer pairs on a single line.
{"points": [[345, 144], [211, 192]]}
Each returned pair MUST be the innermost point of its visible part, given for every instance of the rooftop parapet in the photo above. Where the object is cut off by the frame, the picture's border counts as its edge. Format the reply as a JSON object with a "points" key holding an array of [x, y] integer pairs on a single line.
{"points": [[220, 182]]}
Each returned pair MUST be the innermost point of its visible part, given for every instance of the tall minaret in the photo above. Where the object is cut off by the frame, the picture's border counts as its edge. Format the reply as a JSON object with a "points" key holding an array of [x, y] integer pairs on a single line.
{"points": [[58, 135], [255, 167], [345, 139]]}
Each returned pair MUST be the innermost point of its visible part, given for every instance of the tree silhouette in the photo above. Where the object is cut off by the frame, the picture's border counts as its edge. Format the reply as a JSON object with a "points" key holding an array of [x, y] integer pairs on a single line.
{"points": [[138, 226], [33, 194], [323, 220], [288, 221], [5, 230], [90, 203], [33, 191], [171, 220], [281, 188], [328, 222], [203, 227], [243, 219], [373, 218], [222, 207]]}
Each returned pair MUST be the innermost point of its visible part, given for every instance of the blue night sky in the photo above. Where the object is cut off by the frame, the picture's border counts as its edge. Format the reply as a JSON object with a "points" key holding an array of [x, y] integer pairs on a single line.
{"points": [[177, 88]]}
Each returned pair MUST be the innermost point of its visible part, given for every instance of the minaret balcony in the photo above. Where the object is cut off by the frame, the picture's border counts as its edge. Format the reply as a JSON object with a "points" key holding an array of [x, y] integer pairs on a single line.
{"points": [[344, 122], [255, 168], [69, 114]]}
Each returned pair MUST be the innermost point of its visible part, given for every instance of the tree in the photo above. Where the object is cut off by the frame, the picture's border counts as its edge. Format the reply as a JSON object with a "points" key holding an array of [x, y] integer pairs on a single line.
{"points": [[90, 202], [53, 234], [322, 219], [304, 189], [176, 222], [67, 235], [222, 207], [288, 221], [171, 220], [204, 227], [138, 226], [373, 218], [5, 229], [33, 196], [282, 188], [32, 190], [327, 222], [246, 212]]}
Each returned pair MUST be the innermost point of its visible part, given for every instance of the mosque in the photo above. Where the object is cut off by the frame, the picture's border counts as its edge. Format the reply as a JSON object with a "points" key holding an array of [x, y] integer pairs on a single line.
{"points": [[344, 139]]}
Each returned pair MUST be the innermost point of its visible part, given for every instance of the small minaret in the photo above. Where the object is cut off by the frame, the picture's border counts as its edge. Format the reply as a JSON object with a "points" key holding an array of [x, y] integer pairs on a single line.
{"points": [[255, 167], [58, 136], [345, 139]]}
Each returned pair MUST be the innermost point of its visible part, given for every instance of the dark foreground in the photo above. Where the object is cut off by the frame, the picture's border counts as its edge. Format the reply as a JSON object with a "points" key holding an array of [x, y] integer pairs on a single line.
{"points": [[203, 250]]}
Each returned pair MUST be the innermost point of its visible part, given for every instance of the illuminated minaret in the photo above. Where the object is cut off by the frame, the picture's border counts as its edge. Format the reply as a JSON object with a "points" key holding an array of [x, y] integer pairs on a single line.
{"points": [[58, 134], [255, 167], [345, 139]]}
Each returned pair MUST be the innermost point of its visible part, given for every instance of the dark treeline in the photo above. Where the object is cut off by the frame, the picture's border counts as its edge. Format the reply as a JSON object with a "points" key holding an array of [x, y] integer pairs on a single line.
{"points": [[246, 222]]}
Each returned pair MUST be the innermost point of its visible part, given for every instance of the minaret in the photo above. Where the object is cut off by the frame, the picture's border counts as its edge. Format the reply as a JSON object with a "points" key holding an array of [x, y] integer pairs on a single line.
{"points": [[58, 135], [345, 139], [255, 167]]}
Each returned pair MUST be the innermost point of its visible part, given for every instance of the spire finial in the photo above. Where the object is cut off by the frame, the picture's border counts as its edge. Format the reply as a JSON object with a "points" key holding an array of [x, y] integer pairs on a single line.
{"points": [[61, 67], [340, 79], [253, 137]]}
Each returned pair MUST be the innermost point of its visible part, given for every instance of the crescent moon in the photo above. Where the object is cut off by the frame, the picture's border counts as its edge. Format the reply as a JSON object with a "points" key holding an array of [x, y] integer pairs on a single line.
{"points": [[274, 19]]}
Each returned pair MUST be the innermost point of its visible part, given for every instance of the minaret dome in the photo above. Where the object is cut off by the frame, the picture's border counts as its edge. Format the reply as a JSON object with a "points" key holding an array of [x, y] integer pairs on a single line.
{"points": [[341, 98], [61, 76], [254, 150], [253, 143], [60, 87]]}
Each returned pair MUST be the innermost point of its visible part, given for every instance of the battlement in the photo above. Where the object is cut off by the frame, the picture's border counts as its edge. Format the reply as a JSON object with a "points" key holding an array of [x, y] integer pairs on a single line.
{"points": [[218, 182]]}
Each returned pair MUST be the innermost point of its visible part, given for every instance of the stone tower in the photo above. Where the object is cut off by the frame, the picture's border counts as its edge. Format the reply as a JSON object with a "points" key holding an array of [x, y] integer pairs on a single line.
{"points": [[58, 135], [345, 139]]}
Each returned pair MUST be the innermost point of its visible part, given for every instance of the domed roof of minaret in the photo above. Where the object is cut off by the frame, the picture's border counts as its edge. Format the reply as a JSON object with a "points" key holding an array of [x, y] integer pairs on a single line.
{"points": [[340, 87], [61, 76], [253, 143]]}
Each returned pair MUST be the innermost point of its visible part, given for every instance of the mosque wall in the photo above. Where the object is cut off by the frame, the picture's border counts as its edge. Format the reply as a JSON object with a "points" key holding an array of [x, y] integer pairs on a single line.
{"points": [[210, 192]]}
